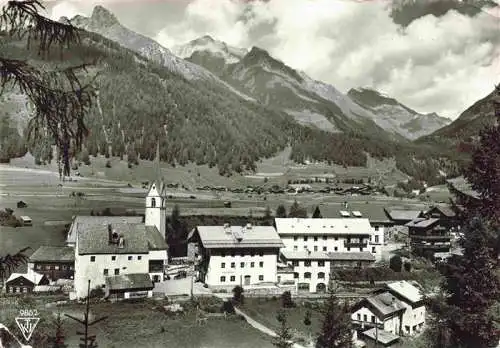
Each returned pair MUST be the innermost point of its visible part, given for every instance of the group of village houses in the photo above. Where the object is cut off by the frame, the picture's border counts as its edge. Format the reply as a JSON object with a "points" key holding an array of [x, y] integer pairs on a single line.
{"points": [[127, 257]]}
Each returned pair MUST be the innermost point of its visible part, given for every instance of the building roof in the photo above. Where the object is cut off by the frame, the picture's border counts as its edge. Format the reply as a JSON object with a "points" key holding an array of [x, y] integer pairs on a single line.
{"points": [[31, 275], [138, 239], [386, 304], [305, 255], [340, 226], [381, 336], [373, 212], [53, 253], [217, 237], [82, 223], [406, 290], [354, 256], [132, 281], [444, 209], [25, 217], [397, 214], [462, 185], [422, 222]]}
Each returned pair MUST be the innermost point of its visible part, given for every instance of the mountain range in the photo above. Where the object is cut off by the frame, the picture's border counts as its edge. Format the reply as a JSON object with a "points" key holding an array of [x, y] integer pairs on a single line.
{"points": [[210, 103]]}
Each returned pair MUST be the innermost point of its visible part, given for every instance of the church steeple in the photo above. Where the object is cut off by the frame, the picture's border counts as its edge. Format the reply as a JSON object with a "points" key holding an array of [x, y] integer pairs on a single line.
{"points": [[157, 167]]}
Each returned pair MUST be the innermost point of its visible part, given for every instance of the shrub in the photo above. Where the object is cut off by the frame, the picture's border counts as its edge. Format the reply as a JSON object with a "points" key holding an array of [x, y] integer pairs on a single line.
{"points": [[286, 300], [407, 266], [238, 294], [228, 307], [108, 164], [396, 263]]}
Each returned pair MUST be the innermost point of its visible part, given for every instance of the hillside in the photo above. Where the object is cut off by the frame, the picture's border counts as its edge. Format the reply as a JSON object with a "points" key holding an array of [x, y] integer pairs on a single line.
{"points": [[395, 116], [468, 124]]}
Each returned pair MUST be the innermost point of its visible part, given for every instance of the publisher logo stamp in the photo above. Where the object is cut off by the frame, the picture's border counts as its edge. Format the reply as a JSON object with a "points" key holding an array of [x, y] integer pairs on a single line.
{"points": [[27, 321]]}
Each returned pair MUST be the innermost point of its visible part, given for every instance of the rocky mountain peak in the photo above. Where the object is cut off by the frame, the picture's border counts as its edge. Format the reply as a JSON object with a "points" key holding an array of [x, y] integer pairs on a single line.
{"points": [[103, 17]]}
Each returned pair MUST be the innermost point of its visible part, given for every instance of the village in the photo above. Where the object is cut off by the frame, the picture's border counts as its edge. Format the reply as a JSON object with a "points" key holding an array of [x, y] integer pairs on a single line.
{"points": [[124, 258]]}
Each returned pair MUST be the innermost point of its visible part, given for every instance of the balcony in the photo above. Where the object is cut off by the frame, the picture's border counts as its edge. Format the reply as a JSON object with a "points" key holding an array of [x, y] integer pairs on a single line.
{"points": [[355, 244], [367, 325], [435, 238], [434, 247]]}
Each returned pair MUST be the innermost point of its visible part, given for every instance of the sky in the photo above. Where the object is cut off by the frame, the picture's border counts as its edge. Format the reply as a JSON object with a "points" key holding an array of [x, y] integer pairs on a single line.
{"points": [[433, 64]]}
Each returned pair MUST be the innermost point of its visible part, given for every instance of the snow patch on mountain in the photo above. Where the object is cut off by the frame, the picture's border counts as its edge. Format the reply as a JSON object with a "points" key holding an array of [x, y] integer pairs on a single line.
{"points": [[217, 48], [310, 118]]}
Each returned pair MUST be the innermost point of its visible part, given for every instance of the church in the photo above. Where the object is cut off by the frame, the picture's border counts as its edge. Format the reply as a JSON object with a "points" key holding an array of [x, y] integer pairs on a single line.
{"points": [[109, 251]]}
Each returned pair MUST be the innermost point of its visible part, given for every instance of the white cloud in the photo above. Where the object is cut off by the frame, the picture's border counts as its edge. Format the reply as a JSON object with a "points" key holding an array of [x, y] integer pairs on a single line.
{"points": [[435, 64]]}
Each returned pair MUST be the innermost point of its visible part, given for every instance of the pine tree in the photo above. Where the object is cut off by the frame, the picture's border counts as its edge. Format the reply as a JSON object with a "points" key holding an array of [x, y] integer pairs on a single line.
{"points": [[474, 292], [57, 340], [281, 211], [336, 330], [297, 211], [284, 338], [317, 213]]}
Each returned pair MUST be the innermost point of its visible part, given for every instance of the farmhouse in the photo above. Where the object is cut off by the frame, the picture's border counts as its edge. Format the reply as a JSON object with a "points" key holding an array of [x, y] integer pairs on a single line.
{"points": [[132, 285], [116, 249], [311, 270], [236, 255], [25, 282], [54, 262], [341, 235], [428, 236], [411, 297]]}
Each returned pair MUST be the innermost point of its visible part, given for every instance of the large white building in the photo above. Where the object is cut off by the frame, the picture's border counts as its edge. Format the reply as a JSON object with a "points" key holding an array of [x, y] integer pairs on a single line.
{"points": [[237, 255]]}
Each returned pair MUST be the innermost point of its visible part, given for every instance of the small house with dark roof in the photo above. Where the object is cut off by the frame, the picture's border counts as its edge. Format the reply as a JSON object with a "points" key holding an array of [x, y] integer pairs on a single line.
{"points": [[54, 262], [446, 214], [128, 286], [427, 236], [236, 255], [25, 282], [116, 249]]}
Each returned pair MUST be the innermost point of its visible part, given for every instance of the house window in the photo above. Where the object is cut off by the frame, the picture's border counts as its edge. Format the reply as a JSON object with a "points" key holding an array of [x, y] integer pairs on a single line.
{"points": [[252, 254], [296, 275], [324, 237], [232, 254], [359, 317], [365, 318], [25, 289], [117, 271], [56, 268], [261, 277], [252, 264], [348, 249], [307, 263], [38, 266], [222, 279], [261, 264], [321, 275], [305, 239], [321, 263], [113, 258], [223, 265], [336, 248], [261, 254], [376, 239], [105, 271], [376, 228], [232, 278], [295, 248], [324, 248], [373, 250], [305, 247], [315, 239], [242, 264], [315, 248], [223, 255], [407, 328], [92, 259], [64, 267], [295, 263], [139, 257], [153, 203], [233, 264], [307, 275], [373, 318], [336, 238], [295, 237], [70, 268], [130, 258]]}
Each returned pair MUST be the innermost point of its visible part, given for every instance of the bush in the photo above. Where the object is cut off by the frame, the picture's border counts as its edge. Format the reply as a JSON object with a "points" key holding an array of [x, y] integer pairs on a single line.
{"points": [[238, 294], [108, 164], [407, 266], [286, 300], [396, 263], [228, 307]]}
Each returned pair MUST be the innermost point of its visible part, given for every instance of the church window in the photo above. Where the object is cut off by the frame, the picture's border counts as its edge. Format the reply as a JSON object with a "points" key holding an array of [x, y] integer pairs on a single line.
{"points": [[153, 202]]}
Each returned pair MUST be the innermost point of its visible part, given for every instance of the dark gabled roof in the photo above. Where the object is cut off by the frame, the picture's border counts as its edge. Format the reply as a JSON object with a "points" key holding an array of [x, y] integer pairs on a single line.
{"points": [[219, 237], [443, 209], [138, 239], [351, 256], [403, 214], [53, 254], [371, 211], [132, 281], [81, 223], [386, 304], [422, 223]]}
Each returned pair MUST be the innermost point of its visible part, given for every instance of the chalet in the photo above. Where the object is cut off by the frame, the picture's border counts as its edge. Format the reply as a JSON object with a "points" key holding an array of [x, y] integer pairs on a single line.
{"points": [[24, 282], [129, 286], [382, 311], [446, 215], [410, 295], [311, 270], [54, 262], [236, 255], [428, 236]]}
